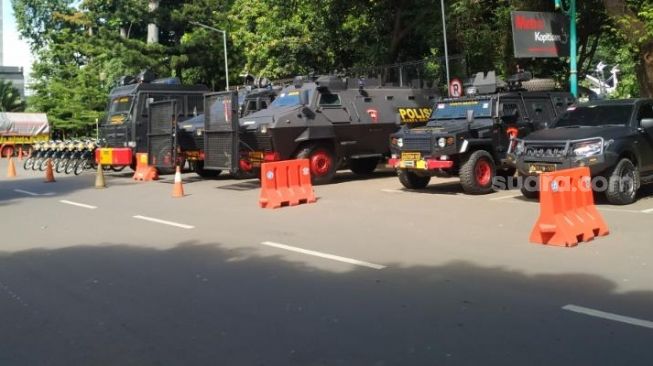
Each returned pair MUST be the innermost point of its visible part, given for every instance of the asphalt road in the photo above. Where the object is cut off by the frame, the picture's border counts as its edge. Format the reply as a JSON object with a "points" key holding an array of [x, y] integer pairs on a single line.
{"points": [[371, 274]]}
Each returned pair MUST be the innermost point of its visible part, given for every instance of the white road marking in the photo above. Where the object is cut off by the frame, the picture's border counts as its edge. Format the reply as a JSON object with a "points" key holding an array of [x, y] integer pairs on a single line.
{"points": [[650, 210], [32, 193], [164, 222], [505, 197], [324, 255], [78, 204], [609, 316]]}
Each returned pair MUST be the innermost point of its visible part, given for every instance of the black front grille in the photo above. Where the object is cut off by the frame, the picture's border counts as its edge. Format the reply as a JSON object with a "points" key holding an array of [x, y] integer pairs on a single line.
{"points": [[114, 136], [256, 141], [417, 143], [545, 152]]}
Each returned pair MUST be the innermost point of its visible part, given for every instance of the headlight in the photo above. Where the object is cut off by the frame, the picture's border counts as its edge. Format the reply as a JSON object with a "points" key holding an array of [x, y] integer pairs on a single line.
{"points": [[585, 149], [442, 142], [400, 142], [131, 144], [264, 129]]}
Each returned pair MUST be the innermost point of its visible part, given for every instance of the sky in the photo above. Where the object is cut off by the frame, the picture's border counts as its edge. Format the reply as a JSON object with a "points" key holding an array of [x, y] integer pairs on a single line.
{"points": [[16, 51]]}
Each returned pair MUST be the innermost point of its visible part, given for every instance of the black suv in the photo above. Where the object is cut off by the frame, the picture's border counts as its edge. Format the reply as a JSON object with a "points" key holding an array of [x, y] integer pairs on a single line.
{"points": [[469, 137], [614, 138]]}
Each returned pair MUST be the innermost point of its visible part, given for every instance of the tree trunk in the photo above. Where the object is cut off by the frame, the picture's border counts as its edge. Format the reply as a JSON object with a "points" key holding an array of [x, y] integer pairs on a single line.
{"points": [[152, 28], [123, 32], [645, 70]]}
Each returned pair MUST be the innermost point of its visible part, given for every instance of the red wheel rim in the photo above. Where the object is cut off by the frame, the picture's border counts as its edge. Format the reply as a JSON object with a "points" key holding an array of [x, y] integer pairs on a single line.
{"points": [[320, 163], [7, 151], [483, 172]]}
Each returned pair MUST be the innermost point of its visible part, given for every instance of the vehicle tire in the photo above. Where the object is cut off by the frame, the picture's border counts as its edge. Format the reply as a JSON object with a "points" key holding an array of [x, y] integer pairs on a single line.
{"points": [[70, 166], [364, 166], [61, 165], [28, 164], [532, 194], [322, 162], [37, 164], [119, 168], [411, 180], [80, 166], [199, 170], [44, 164], [7, 151], [477, 173], [623, 183]]}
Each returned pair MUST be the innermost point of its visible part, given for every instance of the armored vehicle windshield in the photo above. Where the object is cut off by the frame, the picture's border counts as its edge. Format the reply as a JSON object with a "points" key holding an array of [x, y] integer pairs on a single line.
{"points": [[458, 109]]}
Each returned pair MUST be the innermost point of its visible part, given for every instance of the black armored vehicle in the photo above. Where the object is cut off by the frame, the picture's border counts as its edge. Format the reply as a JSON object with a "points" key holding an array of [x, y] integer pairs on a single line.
{"points": [[469, 136], [614, 138], [332, 121], [125, 128]]}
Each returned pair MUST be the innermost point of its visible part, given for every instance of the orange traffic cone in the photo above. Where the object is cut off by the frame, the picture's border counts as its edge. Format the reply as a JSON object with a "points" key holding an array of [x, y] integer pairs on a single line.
{"points": [[178, 189], [11, 169], [49, 175]]}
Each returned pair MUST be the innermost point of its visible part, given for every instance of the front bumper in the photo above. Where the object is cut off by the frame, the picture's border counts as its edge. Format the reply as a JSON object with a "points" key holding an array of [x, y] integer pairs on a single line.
{"points": [[598, 164], [429, 164]]}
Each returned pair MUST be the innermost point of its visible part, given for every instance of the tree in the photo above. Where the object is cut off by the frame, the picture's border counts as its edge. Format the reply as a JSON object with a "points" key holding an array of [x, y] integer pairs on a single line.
{"points": [[10, 100]]}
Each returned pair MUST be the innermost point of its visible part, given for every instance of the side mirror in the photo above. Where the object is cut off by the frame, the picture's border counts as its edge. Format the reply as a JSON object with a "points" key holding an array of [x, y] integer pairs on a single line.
{"points": [[470, 116], [647, 123]]}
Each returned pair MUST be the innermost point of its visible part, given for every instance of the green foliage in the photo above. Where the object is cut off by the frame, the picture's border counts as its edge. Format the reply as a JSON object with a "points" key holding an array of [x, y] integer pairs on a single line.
{"points": [[10, 100], [83, 47]]}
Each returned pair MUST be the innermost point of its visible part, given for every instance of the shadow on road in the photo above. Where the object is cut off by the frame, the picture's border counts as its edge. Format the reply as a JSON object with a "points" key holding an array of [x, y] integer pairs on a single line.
{"points": [[204, 305]]}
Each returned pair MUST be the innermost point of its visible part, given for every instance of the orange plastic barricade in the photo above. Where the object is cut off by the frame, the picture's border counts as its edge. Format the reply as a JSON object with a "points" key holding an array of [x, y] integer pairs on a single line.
{"points": [[144, 172], [286, 183], [567, 212]]}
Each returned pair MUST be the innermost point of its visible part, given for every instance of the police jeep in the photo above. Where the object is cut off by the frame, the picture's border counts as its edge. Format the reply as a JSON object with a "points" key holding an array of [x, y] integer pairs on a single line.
{"points": [[614, 138], [469, 136], [332, 121]]}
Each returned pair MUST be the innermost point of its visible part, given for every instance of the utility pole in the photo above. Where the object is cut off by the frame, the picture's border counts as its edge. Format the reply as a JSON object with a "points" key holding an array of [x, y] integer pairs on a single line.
{"points": [[224, 38], [446, 50], [573, 67]]}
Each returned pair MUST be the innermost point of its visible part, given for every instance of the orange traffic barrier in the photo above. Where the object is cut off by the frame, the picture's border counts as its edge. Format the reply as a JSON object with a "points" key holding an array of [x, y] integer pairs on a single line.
{"points": [[144, 172], [567, 212], [49, 174], [178, 188], [286, 183], [11, 169]]}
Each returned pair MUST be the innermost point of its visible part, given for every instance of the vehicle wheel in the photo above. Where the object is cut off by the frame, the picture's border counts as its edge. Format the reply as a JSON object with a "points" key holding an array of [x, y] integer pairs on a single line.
{"points": [[70, 166], [118, 168], [322, 162], [44, 164], [411, 180], [28, 164], [61, 165], [365, 166], [477, 173], [532, 193], [37, 164], [80, 166], [623, 183], [7, 151], [199, 170]]}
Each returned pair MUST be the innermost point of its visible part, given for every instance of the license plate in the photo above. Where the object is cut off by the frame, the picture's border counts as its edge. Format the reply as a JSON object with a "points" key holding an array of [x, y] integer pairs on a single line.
{"points": [[411, 156], [256, 156], [542, 168]]}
